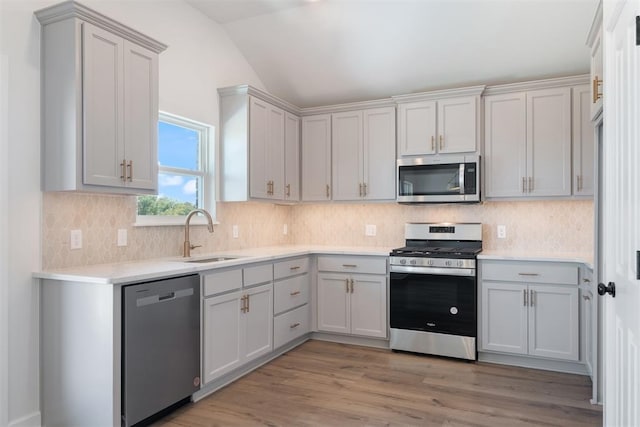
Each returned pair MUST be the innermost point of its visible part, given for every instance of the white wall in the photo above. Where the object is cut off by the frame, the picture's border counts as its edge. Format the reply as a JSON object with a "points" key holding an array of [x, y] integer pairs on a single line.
{"points": [[200, 58]]}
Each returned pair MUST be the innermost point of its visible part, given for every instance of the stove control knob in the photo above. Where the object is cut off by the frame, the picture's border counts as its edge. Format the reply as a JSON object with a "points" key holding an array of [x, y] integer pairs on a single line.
{"points": [[412, 262], [430, 262], [448, 263], [403, 261], [460, 263]]}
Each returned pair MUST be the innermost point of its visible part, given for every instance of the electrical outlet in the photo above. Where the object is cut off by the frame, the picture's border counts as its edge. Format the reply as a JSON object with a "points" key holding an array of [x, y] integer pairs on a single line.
{"points": [[122, 237], [75, 239], [234, 231], [370, 230], [285, 229], [502, 232]]}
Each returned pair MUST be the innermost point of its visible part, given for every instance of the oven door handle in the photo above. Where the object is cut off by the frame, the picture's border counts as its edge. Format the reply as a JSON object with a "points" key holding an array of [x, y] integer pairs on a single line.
{"points": [[433, 270]]}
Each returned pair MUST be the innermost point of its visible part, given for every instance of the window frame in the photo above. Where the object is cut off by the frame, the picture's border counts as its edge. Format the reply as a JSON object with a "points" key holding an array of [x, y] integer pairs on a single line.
{"points": [[206, 173]]}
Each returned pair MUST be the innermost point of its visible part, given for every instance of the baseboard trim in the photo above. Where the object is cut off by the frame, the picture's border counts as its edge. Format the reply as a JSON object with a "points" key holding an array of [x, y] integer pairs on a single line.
{"points": [[353, 340], [32, 420], [531, 362]]}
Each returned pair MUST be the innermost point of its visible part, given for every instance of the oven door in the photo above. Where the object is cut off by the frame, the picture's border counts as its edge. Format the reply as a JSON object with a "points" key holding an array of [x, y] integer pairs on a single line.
{"points": [[437, 303]]}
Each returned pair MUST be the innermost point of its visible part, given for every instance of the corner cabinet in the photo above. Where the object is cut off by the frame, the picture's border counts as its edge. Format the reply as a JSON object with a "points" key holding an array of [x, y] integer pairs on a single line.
{"points": [[528, 143], [100, 103], [259, 146], [439, 122], [363, 154], [352, 295], [530, 308]]}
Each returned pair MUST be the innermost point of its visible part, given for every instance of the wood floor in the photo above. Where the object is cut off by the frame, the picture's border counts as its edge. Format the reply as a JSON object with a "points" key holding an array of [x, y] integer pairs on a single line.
{"points": [[329, 384]]}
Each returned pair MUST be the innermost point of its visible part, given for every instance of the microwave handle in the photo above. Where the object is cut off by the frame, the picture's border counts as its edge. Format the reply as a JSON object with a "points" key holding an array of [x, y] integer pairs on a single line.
{"points": [[461, 175]]}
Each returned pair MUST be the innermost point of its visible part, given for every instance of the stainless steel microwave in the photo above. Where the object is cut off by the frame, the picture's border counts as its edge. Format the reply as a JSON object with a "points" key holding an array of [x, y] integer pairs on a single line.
{"points": [[454, 179]]}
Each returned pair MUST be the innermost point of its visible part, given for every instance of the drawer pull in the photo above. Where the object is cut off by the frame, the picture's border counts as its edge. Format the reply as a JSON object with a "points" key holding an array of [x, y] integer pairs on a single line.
{"points": [[525, 293], [528, 274], [586, 280], [586, 297], [350, 265], [293, 294], [297, 267], [295, 325]]}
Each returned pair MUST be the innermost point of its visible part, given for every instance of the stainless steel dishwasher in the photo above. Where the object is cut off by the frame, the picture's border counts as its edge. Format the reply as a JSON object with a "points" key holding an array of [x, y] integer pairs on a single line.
{"points": [[160, 345]]}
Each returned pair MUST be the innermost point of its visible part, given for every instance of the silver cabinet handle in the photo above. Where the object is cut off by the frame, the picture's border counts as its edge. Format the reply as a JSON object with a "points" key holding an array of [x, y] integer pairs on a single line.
{"points": [[530, 185], [364, 187], [441, 142], [293, 294], [586, 280], [295, 267], [528, 274], [295, 325], [433, 143], [351, 285], [350, 265], [523, 184], [360, 189], [532, 298], [346, 281], [586, 297], [524, 295]]}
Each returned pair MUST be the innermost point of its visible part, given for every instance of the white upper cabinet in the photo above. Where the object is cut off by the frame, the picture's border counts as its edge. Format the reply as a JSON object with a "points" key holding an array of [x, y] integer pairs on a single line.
{"points": [[594, 42], [316, 158], [100, 103], [440, 122], [266, 150], [583, 142], [259, 146], [528, 142], [363, 153]]}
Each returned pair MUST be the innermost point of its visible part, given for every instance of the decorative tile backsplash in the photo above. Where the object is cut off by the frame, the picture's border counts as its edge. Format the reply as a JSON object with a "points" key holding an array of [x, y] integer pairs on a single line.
{"points": [[562, 226]]}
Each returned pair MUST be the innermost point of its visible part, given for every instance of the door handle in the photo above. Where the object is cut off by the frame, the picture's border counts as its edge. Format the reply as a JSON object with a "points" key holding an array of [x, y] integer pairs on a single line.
{"points": [[610, 288]]}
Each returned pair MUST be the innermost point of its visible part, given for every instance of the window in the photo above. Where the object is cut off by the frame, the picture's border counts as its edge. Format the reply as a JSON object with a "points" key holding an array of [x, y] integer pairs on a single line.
{"points": [[185, 173]]}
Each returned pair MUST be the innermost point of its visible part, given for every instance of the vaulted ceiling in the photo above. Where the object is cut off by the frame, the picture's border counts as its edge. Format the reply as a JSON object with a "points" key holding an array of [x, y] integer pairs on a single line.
{"points": [[325, 52]]}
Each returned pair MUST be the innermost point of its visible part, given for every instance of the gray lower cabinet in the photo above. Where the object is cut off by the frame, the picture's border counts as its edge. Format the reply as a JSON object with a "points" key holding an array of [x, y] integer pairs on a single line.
{"points": [[237, 318], [291, 300], [530, 308]]}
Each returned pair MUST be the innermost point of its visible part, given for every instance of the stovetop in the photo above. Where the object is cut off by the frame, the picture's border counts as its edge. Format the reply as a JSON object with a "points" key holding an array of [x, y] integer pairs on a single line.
{"points": [[437, 252]]}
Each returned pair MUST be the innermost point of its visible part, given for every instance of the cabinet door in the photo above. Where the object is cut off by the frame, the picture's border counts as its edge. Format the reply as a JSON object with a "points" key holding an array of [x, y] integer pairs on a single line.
{"points": [[582, 142], [417, 128], [457, 125], [346, 152], [275, 152], [223, 349], [141, 116], [369, 306], [258, 321], [292, 158], [549, 142], [103, 91], [379, 168], [587, 328], [504, 317], [333, 303], [259, 116], [505, 145], [553, 321], [316, 158]]}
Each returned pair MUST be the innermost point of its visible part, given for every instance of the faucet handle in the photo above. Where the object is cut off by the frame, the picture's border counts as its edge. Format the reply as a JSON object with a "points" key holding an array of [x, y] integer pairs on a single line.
{"points": [[195, 246]]}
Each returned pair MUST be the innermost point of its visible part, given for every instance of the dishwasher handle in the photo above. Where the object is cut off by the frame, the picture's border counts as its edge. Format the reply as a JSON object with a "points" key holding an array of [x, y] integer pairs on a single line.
{"points": [[155, 299]]}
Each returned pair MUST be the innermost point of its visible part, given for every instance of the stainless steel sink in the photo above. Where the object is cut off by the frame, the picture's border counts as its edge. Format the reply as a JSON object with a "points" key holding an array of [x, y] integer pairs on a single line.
{"points": [[212, 259]]}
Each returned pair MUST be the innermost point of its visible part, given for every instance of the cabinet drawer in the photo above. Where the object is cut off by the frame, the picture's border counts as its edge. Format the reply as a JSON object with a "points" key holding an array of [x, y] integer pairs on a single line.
{"points": [[222, 281], [258, 274], [290, 325], [353, 264], [290, 268], [291, 293], [530, 272]]}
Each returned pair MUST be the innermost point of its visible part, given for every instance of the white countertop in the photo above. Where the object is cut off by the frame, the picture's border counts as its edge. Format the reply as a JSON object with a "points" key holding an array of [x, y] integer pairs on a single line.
{"points": [[577, 257], [136, 271]]}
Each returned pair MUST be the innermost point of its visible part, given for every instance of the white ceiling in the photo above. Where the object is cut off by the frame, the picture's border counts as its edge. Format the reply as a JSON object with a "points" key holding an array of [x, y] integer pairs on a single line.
{"points": [[335, 51]]}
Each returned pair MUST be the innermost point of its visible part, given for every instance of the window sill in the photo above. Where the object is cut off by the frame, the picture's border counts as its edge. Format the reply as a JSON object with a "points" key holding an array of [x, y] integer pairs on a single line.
{"points": [[169, 221]]}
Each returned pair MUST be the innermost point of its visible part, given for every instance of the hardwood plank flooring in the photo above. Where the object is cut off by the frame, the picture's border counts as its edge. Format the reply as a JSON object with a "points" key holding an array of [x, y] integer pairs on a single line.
{"points": [[328, 384]]}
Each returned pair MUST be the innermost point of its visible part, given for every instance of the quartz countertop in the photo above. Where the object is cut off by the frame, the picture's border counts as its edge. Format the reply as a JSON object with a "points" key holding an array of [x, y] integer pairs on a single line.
{"points": [[137, 271], [577, 257]]}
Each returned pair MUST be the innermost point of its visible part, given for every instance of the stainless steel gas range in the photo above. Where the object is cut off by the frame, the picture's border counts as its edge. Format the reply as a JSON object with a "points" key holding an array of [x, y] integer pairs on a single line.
{"points": [[433, 290]]}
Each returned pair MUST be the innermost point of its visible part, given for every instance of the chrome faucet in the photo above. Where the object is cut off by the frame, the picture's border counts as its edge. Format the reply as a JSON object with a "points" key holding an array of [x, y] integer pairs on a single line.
{"points": [[187, 244]]}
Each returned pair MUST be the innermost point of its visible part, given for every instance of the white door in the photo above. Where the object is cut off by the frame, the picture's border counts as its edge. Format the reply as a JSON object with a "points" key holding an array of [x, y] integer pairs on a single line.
{"points": [[457, 125], [334, 314], [621, 199], [141, 116], [380, 154], [369, 306], [504, 317], [417, 128], [258, 148], [346, 150], [221, 335], [102, 83], [553, 321], [258, 321], [275, 152], [316, 158]]}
